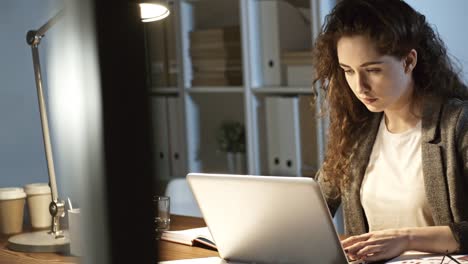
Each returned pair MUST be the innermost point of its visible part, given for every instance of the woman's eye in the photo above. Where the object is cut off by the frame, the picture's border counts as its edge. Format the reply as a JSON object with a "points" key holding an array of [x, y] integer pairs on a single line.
{"points": [[373, 70], [349, 71]]}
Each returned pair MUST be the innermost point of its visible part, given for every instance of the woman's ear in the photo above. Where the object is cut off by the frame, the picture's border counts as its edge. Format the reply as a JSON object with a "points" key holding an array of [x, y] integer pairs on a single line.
{"points": [[411, 60]]}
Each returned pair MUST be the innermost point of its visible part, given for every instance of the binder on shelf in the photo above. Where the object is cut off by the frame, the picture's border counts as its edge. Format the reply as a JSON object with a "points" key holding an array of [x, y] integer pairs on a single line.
{"points": [[277, 18], [308, 135], [161, 144], [272, 133], [289, 136], [269, 39], [175, 132]]}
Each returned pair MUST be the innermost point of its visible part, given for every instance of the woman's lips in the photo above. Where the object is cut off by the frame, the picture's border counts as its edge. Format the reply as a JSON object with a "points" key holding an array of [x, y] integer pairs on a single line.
{"points": [[368, 100]]}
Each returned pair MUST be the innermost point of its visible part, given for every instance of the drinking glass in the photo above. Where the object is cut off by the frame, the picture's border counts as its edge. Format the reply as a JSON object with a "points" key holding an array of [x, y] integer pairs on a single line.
{"points": [[162, 214]]}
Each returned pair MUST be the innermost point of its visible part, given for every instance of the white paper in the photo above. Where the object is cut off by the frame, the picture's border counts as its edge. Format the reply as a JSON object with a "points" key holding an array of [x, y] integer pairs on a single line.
{"points": [[211, 260], [413, 257], [186, 236]]}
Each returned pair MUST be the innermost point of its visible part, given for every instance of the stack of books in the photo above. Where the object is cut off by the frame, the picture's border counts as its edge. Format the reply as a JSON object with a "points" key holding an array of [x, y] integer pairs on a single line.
{"points": [[297, 67], [216, 56]]}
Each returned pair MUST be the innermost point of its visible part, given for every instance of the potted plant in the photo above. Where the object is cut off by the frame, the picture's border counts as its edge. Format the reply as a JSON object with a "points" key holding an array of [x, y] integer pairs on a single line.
{"points": [[231, 140]]}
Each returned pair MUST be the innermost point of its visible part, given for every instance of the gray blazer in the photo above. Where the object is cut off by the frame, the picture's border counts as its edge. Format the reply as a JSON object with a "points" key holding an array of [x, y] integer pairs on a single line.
{"points": [[445, 170]]}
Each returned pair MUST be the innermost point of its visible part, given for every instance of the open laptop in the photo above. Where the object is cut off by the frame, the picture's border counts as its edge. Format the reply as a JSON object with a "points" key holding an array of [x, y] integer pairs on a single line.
{"points": [[267, 219]]}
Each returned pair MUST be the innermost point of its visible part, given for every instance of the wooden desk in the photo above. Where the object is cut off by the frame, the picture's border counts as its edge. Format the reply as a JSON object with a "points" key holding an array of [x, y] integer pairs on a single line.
{"points": [[13, 257], [174, 251], [167, 250]]}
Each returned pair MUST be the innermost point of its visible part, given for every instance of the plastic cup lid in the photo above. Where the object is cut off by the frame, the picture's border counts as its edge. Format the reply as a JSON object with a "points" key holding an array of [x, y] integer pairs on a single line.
{"points": [[12, 193], [37, 188]]}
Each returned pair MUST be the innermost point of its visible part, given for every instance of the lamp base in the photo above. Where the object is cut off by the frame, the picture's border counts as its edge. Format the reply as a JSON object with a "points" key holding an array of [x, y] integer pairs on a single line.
{"points": [[40, 241]]}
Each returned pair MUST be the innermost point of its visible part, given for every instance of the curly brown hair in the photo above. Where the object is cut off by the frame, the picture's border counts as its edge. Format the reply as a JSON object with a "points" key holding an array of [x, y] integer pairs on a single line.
{"points": [[395, 28]]}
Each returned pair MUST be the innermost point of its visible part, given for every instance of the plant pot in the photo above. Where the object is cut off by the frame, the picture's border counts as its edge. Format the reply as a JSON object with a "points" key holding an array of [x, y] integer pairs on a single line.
{"points": [[236, 162]]}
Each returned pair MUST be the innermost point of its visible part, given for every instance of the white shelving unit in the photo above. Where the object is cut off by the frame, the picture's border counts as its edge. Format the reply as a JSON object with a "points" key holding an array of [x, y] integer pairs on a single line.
{"points": [[267, 27]]}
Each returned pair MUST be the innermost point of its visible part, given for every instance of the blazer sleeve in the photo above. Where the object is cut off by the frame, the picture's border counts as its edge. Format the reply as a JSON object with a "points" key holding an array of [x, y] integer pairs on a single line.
{"points": [[460, 229], [331, 193]]}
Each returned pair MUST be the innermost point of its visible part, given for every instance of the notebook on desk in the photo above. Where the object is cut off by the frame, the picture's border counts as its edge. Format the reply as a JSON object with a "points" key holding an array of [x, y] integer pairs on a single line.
{"points": [[266, 219]]}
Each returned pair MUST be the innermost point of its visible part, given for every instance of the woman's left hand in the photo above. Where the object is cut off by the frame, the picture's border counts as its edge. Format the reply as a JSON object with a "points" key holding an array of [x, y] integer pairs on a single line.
{"points": [[378, 245]]}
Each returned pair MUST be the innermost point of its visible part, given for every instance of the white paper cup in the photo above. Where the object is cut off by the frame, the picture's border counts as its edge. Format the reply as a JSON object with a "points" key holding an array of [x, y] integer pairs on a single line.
{"points": [[11, 210], [74, 230], [39, 198]]}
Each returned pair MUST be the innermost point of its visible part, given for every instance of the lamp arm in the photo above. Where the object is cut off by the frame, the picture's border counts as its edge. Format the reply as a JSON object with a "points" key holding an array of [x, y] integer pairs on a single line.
{"points": [[44, 122], [33, 38]]}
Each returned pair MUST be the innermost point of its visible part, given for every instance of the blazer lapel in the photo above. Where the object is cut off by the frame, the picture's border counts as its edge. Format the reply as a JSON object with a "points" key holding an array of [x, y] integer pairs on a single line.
{"points": [[433, 165]]}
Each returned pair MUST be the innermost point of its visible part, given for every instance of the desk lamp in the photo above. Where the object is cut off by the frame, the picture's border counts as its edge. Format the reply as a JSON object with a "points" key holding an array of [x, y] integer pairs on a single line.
{"points": [[153, 10], [55, 239]]}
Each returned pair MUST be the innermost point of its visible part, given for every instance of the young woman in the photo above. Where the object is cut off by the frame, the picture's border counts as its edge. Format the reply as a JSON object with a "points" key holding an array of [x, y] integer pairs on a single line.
{"points": [[397, 154]]}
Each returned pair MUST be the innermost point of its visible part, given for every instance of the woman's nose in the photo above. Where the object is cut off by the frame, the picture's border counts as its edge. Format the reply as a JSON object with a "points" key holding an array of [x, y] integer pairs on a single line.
{"points": [[362, 84]]}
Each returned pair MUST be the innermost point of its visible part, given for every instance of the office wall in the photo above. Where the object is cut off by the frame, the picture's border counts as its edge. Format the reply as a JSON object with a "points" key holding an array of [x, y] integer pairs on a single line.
{"points": [[22, 157], [450, 20]]}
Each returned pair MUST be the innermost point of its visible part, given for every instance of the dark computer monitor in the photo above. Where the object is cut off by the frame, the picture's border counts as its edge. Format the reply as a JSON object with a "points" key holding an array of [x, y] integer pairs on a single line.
{"points": [[101, 130]]}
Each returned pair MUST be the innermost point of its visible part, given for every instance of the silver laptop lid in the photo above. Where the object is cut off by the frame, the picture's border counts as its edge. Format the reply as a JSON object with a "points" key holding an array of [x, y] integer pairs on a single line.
{"points": [[267, 219]]}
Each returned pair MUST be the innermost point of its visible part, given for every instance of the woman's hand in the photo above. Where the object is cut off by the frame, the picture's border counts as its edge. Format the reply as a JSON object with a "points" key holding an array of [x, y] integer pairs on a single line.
{"points": [[378, 245]]}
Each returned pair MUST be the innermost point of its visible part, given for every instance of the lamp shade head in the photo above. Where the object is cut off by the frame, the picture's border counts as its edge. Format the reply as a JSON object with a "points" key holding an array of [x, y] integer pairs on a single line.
{"points": [[153, 10]]}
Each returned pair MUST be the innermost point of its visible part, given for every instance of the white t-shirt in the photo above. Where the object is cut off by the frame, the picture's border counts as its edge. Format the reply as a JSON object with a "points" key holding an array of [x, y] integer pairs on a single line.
{"points": [[392, 191]]}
